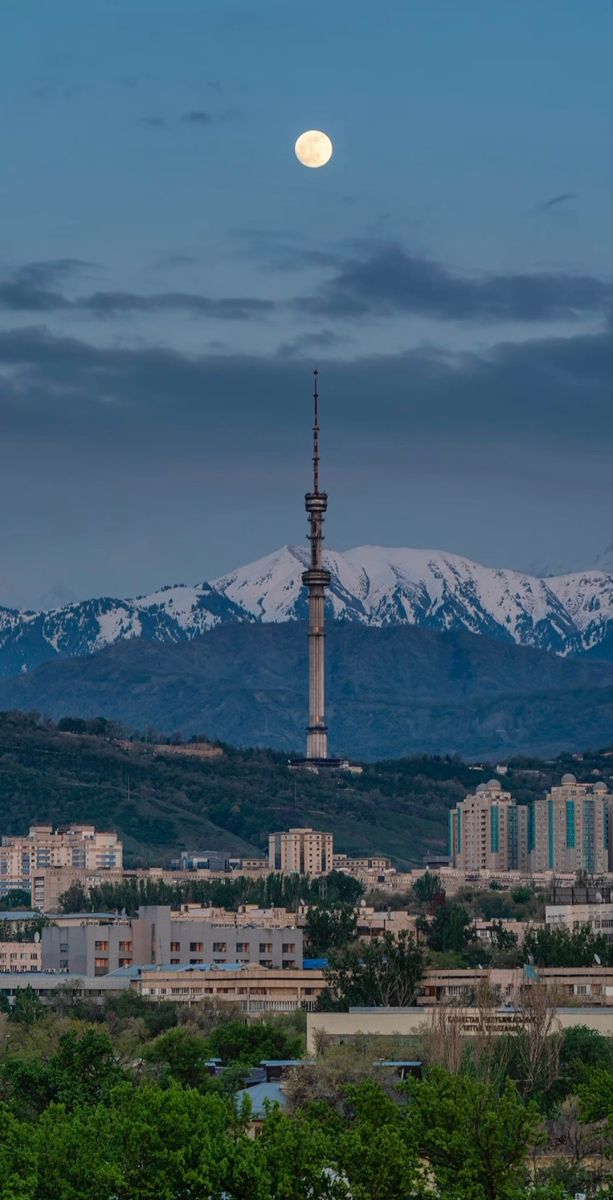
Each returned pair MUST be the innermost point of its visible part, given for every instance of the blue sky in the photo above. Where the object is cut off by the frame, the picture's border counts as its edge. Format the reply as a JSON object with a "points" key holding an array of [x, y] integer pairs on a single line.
{"points": [[169, 275]]}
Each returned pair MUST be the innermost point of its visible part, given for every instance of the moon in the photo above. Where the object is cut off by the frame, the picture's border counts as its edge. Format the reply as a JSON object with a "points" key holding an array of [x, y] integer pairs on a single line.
{"points": [[313, 148]]}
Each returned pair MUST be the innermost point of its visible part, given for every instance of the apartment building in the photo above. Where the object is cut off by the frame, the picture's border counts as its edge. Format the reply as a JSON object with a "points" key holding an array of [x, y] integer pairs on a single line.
{"points": [[488, 831], [570, 829], [256, 989], [301, 851], [97, 944], [20, 956], [599, 917], [80, 847]]}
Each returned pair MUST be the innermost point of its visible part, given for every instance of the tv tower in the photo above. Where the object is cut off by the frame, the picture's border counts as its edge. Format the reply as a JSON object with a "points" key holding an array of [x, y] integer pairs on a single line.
{"points": [[316, 579]]}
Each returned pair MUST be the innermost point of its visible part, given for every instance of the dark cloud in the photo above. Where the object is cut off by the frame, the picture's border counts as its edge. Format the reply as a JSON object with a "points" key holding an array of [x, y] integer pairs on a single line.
{"points": [[154, 122], [548, 391], [197, 117], [305, 343], [390, 280], [554, 201], [27, 290]]}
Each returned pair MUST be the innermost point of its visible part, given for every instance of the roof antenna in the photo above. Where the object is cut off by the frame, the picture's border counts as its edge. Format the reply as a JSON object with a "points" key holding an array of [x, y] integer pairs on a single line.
{"points": [[316, 434]]}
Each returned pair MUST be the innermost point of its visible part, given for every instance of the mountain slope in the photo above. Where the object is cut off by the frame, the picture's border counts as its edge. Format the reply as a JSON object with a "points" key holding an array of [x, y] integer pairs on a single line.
{"points": [[567, 615], [391, 691], [161, 803]]}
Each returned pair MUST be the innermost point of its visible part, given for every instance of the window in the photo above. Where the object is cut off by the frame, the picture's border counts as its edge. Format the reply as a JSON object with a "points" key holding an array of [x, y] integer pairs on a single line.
{"points": [[63, 947], [196, 947], [125, 962], [289, 947], [175, 947], [219, 947], [243, 947], [63, 964], [101, 945], [265, 947], [266, 962], [125, 947]]}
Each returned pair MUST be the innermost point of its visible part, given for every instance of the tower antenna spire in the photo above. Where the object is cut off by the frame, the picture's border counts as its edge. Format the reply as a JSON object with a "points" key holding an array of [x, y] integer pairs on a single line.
{"points": [[316, 433]]}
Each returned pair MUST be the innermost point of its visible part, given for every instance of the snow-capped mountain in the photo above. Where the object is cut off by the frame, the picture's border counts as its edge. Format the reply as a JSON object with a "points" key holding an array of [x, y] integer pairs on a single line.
{"points": [[372, 585]]}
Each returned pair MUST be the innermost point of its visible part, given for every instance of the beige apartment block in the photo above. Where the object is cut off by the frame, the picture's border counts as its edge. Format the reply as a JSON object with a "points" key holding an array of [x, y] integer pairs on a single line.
{"points": [[569, 829], [301, 851], [488, 831], [81, 847], [20, 956], [599, 917], [256, 989]]}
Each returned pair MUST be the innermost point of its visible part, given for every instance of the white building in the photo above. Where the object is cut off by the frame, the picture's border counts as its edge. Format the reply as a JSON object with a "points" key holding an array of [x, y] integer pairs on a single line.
{"points": [[571, 829], [301, 851], [488, 831]]}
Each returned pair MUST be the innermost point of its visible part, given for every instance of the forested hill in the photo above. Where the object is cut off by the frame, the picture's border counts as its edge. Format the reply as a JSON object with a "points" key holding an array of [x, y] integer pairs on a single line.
{"points": [[164, 798]]}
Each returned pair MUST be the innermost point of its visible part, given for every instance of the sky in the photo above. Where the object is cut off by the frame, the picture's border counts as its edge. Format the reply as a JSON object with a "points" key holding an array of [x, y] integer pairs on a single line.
{"points": [[170, 275]]}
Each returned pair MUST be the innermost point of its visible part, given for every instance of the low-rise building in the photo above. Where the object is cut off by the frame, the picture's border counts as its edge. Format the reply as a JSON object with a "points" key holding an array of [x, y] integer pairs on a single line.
{"points": [[599, 917], [461, 985], [96, 944], [20, 956], [254, 988]]}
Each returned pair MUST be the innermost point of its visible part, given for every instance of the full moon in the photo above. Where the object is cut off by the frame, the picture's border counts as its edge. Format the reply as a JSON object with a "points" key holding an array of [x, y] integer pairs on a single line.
{"points": [[313, 148]]}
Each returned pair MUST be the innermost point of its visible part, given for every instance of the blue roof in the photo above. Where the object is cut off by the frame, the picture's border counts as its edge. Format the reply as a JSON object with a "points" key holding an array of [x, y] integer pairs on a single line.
{"points": [[314, 964], [19, 914], [259, 1094], [285, 1062]]}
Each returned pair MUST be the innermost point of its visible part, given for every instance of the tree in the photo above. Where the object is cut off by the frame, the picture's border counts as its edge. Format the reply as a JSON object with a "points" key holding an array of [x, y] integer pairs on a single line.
{"points": [[329, 928], [427, 887], [475, 1138], [376, 1148], [181, 1056], [552, 947], [237, 1042], [385, 973], [27, 1007], [17, 1167], [449, 929]]}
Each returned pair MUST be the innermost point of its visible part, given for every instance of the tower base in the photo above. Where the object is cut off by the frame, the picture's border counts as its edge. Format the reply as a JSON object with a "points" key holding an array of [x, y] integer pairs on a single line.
{"points": [[317, 765]]}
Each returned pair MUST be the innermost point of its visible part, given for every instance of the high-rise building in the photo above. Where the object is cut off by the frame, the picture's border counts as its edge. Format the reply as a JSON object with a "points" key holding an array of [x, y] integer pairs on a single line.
{"points": [[488, 831], [301, 851], [571, 829], [79, 846]]}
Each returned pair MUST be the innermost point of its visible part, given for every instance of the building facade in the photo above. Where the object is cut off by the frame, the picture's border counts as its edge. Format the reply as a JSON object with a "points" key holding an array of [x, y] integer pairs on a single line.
{"points": [[256, 989], [301, 851], [570, 829], [488, 831], [80, 847], [20, 956], [97, 944]]}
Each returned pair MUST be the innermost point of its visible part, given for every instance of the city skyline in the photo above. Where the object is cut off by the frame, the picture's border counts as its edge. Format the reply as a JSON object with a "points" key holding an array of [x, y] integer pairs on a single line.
{"points": [[171, 276]]}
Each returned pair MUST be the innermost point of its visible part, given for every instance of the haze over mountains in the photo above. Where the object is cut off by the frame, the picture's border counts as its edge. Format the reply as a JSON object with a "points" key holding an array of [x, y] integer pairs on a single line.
{"points": [[567, 615]]}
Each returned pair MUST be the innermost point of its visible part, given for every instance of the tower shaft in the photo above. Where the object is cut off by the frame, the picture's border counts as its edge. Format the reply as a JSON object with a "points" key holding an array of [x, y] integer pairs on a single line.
{"points": [[316, 579]]}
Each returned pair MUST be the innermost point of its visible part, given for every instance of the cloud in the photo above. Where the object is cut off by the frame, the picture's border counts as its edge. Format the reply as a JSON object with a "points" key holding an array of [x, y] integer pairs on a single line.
{"points": [[390, 280], [154, 122], [304, 343], [197, 117], [28, 289], [554, 201]]}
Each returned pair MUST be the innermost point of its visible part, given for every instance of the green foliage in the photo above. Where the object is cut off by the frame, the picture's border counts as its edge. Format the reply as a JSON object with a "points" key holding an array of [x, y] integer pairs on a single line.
{"points": [[383, 972], [27, 1007], [596, 1095], [181, 1056], [427, 887], [328, 928], [17, 898], [552, 947], [449, 929], [249, 1044], [82, 1071], [476, 1140]]}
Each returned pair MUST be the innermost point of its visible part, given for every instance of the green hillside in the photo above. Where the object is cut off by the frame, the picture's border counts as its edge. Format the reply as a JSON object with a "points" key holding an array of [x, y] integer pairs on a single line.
{"points": [[162, 800]]}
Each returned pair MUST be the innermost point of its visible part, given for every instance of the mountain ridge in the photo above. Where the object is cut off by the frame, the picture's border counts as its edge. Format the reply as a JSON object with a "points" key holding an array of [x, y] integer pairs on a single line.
{"points": [[568, 615]]}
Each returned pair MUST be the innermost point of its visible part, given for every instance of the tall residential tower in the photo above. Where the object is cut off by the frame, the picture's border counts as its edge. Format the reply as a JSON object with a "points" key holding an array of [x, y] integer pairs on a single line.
{"points": [[316, 579]]}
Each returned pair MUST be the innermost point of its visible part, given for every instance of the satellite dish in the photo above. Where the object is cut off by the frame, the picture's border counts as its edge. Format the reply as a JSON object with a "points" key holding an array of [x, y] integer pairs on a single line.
{"points": [[597, 960], [362, 904], [37, 936]]}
